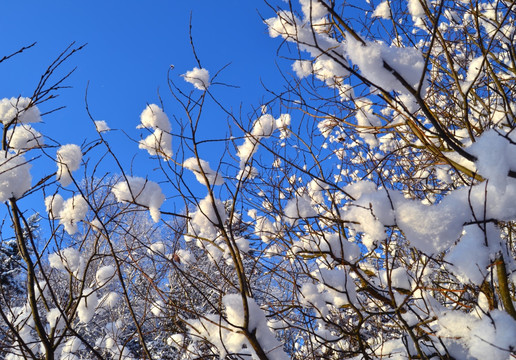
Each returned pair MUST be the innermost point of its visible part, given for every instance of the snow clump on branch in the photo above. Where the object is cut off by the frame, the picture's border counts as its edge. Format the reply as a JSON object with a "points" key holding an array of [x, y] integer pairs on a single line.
{"points": [[68, 160], [15, 178], [141, 192], [203, 172], [22, 109], [229, 338], [23, 137], [199, 78], [263, 128], [160, 141]]}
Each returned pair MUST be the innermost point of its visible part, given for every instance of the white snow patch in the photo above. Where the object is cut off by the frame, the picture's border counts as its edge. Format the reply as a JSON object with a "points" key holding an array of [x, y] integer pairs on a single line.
{"points": [[383, 10], [68, 160], [15, 178], [21, 108], [199, 78], [142, 192], [212, 176], [104, 274], [101, 126]]}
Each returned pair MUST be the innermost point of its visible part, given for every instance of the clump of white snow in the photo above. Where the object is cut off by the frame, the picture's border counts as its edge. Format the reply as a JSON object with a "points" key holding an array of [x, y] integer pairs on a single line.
{"points": [[229, 338], [313, 9], [299, 207], [263, 128], [24, 137], [20, 108], [101, 126], [185, 256], [68, 259], [470, 258], [15, 178], [55, 319], [104, 274], [73, 211], [142, 192], [157, 248], [383, 10], [407, 62], [87, 305], [54, 205], [199, 78], [415, 8], [153, 117], [302, 68], [213, 177], [205, 219], [68, 159], [495, 157], [159, 142]]}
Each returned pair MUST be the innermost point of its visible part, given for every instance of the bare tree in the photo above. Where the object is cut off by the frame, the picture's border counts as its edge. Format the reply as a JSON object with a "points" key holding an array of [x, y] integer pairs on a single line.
{"points": [[364, 212]]}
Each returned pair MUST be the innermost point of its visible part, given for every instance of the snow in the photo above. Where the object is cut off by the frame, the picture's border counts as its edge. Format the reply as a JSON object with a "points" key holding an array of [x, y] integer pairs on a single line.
{"points": [[199, 78], [68, 159], [415, 8], [142, 192], [54, 205], [68, 259], [157, 308], [104, 274], [283, 124], [313, 9], [292, 29], [24, 137], [22, 320], [186, 257], [73, 211], [101, 126], [400, 279], [302, 68], [370, 212], [176, 341], [299, 208], [110, 300], [204, 220], [332, 288], [383, 10], [159, 142], [431, 229], [153, 117], [157, 248], [20, 108], [263, 128], [15, 178], [55, 319], [367, 121], [329, 71], [69, 349], [87, 305], [490, 337], [369, 58], [212, 176], [495, 157], [470, 258], [248, 172], [359, 188], [228, 338]]}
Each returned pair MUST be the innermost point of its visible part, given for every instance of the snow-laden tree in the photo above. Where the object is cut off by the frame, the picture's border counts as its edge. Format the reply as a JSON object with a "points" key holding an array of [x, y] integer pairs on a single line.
{"points": [[365, 212]]}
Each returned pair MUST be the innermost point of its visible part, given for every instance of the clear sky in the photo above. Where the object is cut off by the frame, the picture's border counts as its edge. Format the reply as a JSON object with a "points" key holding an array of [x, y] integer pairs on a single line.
{"points": [[131, 45]]}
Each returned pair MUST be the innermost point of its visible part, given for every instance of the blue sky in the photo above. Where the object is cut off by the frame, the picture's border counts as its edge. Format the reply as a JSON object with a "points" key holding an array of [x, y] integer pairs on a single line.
{"points": [[131, 45]]}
